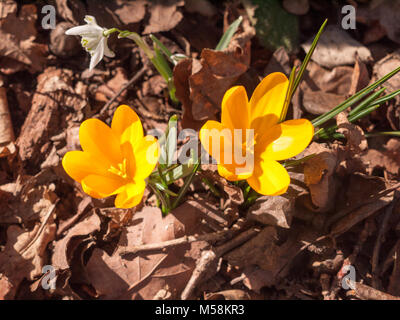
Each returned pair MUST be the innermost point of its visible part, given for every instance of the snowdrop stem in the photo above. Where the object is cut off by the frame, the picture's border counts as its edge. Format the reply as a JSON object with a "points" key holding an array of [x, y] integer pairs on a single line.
{"points": [[106, 33]]}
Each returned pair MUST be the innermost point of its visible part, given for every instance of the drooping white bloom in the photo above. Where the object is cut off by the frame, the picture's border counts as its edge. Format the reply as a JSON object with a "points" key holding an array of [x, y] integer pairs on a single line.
{"points": [[94, 40]]}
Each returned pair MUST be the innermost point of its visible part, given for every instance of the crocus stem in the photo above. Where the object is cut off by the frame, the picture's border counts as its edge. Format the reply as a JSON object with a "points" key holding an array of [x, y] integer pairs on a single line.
{"points": [[164, 205], [185, 187], [212, 187]]}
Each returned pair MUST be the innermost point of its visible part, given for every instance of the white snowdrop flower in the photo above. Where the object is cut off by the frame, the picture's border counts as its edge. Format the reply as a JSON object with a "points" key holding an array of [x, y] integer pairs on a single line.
{"points": [[94, 40]]}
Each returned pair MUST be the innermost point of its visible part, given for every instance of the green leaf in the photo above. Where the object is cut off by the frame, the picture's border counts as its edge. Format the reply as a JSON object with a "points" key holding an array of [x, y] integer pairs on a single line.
{"points": [[163, 48], [226, 38]]}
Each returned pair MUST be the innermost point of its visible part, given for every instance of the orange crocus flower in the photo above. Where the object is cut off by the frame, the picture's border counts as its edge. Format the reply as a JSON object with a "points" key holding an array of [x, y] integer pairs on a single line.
{"points": [[271, 142], [114, 161]]}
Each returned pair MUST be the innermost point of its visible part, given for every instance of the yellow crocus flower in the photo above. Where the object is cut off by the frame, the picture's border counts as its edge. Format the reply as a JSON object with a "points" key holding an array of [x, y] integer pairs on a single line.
{"points": [[271, 141], [114, 161]]}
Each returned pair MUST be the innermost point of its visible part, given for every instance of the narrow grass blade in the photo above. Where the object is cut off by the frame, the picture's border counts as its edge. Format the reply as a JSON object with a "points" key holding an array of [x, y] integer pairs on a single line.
{"points": [[363, 113], [307, 58], [171, 142], [387, 97], [288, 95], [383, 133], [226, 38], [185, 187], [366, 102], [352, 100]]}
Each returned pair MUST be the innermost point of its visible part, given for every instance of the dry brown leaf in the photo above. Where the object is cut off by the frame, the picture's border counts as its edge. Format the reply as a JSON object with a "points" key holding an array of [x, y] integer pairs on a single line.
{"points": [[318, 175], [117, 13], [206, 81], [54, 92], [72, 11], [106, 91], [234, 294], [298, 7], [131, 11], [164, 15], [337, 80], [182, 72], [25, 253], [60, 44], [18, 43], [204, 7], [144, 275], [337, 48], [273, 253], [356, 141], [218, 73], [64, 248], [28, 200], [6, 128], [279, 62], [360, 78], [386, 158], [383, 17], [273, 211], [386, 65], [319, 102], [360, 214]]}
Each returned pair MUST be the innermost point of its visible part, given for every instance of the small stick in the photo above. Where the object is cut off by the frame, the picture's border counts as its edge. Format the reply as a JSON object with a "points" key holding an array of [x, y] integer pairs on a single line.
{"points": [[368, 293], [209, 258], [215, 236], [135, 78], [42, 226], [6, 128], [346, 211], [378, 243], [175, 242]]}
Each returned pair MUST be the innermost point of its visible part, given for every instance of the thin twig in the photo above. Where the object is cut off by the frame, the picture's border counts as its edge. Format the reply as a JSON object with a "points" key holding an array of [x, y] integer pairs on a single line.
{"points": [[346, 211], [215, 236], [135, 78], [378, 243], [368, 293], [42, 226], [210, 257]]}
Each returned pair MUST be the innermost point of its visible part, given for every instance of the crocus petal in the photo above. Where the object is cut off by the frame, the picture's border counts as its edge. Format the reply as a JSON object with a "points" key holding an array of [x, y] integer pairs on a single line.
{"points": [[146, 156], [235, 109], [231, 172], [267, 101], [124, 118], [85, 30], [98, 54], [131, 195], [217, 140], [79, 164], [91, 192], [100, 142], [291, 138], [105, 186], [269, 178]]}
